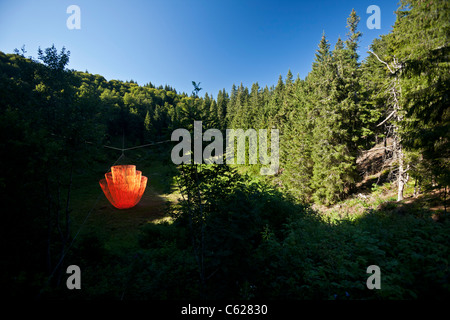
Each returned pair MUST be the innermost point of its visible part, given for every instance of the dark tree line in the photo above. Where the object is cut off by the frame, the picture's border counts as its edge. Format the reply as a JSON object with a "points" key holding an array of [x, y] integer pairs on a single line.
{"points": [[52, 121]]}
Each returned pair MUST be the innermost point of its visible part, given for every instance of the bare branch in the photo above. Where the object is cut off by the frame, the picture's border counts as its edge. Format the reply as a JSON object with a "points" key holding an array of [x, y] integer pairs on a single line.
{"points": [[380, 148], [387, 65], [388, 117]]}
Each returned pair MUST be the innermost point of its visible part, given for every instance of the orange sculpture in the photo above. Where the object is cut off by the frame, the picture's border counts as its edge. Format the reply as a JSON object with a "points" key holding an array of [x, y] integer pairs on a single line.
{"points": [[124, 186]]}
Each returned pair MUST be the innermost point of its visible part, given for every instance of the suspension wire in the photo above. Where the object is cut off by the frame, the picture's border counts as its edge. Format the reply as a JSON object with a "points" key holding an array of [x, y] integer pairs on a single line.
{"points": [[63, 255], [69, 246], [108, 147], [95, 203], [146, 145], [123, 139], [123, 143]]}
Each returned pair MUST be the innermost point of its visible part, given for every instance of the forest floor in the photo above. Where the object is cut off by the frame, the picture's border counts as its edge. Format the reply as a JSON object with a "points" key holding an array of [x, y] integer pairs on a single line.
{"points": [[119, 229], [378, 191], [384, 198]]}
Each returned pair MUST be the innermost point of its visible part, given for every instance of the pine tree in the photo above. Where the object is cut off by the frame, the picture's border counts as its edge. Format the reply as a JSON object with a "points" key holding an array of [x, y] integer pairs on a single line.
{"points": [[212, 120], [352, 85], [421, 41], [255, 106], [276, 102], [240, 118], [263, 118], [296, 145], [289, 77], [302, 144], [205, 107], [231, 106], [147, 122], [414, 57], [222, 102], [325, 127], [285, 108], [334, 87]]}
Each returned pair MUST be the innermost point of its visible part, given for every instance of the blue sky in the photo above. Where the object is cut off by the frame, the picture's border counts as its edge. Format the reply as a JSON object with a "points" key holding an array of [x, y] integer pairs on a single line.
{"points": [[219, 43]]}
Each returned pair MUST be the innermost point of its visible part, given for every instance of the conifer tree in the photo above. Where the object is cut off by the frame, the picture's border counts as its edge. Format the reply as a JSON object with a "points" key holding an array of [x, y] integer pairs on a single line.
{"points": [[255, 106], [327, 149], [231, 106], [276, 101], [296, 145], [334, 87], [213, 114], [421, 41], [415, 59], [241, 109], [222, 102], [147, 122]]}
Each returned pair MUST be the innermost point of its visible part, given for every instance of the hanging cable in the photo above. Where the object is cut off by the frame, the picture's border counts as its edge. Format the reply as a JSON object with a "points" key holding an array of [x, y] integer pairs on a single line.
{"points": [[120, 149], [147, 145], [109, 147], [95, 203], [73, 240]]}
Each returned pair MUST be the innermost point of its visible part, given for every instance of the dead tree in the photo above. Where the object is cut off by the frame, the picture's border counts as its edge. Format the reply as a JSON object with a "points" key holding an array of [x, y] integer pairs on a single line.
{"points": [[393, 120]]}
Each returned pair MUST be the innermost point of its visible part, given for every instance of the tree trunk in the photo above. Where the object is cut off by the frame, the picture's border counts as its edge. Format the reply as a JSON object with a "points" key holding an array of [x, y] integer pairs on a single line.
{"points": [[394, 97], [401, 176], [416, 188], [49, 225]]}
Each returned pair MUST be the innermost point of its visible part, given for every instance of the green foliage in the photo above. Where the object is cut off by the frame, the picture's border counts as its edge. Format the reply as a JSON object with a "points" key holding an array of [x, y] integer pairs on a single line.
{"points": [[46, 117], [257, 244], [425, 83], [225, 216], [421, 80], [158, 235], [320, 261], [235, 236]]}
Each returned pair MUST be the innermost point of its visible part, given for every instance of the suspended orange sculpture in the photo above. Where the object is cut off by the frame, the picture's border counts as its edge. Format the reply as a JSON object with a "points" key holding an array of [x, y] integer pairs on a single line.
{"points": [[124, 186]]}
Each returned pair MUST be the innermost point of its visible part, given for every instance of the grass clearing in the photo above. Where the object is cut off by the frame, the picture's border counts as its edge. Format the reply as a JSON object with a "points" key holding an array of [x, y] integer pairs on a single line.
{"points": [[119, 229]]}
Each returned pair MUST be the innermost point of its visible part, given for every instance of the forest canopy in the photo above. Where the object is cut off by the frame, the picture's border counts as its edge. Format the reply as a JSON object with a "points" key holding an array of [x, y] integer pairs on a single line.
{"points": [[55, 121]]}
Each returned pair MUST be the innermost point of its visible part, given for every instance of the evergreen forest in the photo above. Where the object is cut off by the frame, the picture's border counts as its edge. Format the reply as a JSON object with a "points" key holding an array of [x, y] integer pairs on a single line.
{"points": [[363, 177]]}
